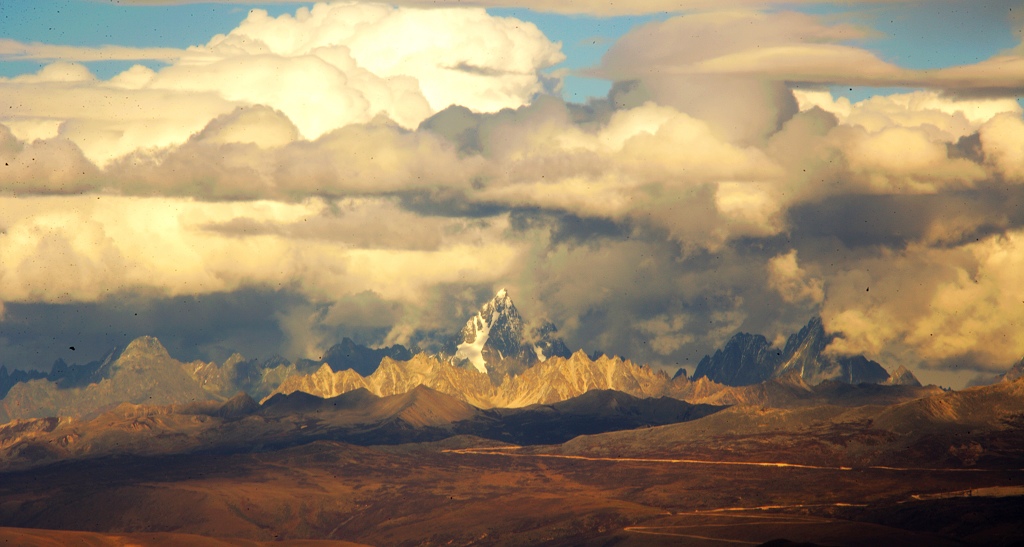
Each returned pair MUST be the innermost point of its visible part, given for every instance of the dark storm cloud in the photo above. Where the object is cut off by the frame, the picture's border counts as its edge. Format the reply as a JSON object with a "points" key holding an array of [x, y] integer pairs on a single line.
{"points": [[459, 125], [464, 128], [647, 300], [208, 327], [944, 220], [445, 203], [569, 228]]}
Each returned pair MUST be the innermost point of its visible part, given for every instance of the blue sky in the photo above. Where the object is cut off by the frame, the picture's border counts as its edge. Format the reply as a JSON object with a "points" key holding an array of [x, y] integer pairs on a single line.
{"points": [[923, 35]]}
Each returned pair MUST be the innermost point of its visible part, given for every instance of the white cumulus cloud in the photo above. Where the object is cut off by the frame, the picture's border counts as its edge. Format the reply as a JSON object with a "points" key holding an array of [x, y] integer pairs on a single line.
{"points": [[324, 68]]}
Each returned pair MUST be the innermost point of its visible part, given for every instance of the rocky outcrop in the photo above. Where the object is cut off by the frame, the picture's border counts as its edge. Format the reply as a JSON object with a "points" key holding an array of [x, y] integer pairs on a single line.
{"points": [[142, 373], [749, 359]]}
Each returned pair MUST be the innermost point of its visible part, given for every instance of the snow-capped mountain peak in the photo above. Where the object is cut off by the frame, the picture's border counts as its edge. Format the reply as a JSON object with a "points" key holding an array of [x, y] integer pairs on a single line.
{"points": [[473, 350], [494, 341], [497, 322]]}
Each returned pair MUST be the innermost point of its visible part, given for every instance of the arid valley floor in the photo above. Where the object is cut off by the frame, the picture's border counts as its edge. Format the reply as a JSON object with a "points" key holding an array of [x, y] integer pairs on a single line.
{"points": [[813, 474]]}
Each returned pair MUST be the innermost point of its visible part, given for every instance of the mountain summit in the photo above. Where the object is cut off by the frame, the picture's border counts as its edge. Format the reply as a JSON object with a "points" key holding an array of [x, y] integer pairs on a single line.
{"points": [[495, 341], [750, 359], [1015, 373], [142, 373], [497, 327]]}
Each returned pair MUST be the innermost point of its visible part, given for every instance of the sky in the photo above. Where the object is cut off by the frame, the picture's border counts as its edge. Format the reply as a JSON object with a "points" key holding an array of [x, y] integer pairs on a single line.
{"points": [[652, 176]]}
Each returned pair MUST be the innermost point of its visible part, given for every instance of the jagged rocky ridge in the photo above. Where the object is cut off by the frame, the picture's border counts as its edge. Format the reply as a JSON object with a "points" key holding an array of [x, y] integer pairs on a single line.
{"points": [[555, 379], [749, 359], [492, 363], [10, 379], [1016, 372], [156, 378], [558, 379], [903, 377], [349, 355], [142, 373], [496, 342], [358, 417]]}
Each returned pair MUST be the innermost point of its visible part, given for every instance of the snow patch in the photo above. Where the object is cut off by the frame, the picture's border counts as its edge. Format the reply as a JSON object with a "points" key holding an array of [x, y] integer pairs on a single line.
{"points": [[540, 354], [474, 351]]}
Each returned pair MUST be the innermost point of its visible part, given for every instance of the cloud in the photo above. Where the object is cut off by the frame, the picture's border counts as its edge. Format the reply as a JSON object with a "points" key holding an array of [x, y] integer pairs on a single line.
{"points": [[218, 163], [901, 160], [361, 223], [258, 125], [650, 164], [323, 68], [820, 64], [960, 306], [668, 333], [665, 59], [44, 166], [103, 119], [592, 7], [791, 281], [871, 221], [943, 118], [13, 50], [734, 69], [383, 192], [84, 249], [1002, 141]]}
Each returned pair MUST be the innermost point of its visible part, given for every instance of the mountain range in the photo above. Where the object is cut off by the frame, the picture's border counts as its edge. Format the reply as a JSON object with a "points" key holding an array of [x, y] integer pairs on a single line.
{"points": [[925, 467], [549, 381], [750, 359], [142, 373], [360, 417], [475, 446], [495, 341], [892, 416], [494, 362], [493, 365]]}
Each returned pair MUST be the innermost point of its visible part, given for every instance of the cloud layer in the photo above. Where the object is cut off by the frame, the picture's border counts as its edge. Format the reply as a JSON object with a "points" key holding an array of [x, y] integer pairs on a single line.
{"points": [[324, 68], [383, 188]]}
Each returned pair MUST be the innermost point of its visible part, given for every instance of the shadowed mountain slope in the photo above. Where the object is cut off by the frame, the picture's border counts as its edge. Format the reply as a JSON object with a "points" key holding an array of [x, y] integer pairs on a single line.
{"points": [[973, 427], [359, 417], [749, 359], [142, 373]]}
